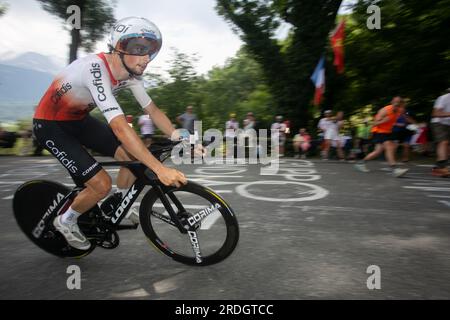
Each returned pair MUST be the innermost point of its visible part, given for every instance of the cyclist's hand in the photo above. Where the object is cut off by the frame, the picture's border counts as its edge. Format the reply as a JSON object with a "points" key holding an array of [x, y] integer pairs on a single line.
{"points": [[169, 177]]}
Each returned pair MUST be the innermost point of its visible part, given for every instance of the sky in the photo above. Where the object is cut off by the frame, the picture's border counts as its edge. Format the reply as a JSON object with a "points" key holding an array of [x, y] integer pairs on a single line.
{"points": [[192, 26]]}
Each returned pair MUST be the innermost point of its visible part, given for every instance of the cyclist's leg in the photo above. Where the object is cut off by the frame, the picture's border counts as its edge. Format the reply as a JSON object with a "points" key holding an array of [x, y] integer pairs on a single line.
{"points": [[125, 178], [61, 140], [96, 189], [107, 144]]}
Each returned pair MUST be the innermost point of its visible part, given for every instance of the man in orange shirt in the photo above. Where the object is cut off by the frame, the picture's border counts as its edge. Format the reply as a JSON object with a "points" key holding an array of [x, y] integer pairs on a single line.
{"points": [[382, 136]]}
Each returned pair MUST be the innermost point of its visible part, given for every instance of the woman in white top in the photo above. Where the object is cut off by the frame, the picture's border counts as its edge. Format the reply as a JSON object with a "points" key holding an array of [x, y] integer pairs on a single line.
{"points": [[330, 127]]}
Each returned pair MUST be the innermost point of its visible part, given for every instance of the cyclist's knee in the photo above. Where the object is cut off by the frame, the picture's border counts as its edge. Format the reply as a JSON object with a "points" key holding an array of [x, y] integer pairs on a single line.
{"points": [[101, 184]]}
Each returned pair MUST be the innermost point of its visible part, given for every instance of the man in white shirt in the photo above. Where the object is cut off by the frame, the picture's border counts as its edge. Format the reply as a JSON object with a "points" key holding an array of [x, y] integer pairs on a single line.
{"points": [[440, 125], [330, 127], [147, 128], [279, 132]]}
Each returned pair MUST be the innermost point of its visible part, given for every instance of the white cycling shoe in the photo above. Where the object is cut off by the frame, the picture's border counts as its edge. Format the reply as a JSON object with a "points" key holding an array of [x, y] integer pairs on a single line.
{"points": [[74, 237]]}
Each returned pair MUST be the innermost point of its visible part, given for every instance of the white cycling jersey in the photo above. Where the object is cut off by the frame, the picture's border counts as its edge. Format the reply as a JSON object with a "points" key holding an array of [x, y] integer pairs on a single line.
{"points": [[84, 84]]}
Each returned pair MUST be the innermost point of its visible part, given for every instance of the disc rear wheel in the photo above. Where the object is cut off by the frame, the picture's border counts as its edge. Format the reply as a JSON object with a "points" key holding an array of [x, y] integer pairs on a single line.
{"points": [[34, 207]]}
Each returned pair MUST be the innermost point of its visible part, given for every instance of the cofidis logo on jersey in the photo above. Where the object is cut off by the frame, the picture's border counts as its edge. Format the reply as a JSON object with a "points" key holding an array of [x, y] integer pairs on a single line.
{"points": [[97, 82], [60, 92]]}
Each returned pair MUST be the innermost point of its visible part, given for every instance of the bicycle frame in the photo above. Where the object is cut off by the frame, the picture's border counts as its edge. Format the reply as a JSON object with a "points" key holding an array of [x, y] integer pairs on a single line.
{"points": [[144, 177]]}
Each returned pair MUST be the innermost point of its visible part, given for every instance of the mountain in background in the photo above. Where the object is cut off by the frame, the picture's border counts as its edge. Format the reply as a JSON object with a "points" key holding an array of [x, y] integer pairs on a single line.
{"points": [[32, 61], [22, 85]]}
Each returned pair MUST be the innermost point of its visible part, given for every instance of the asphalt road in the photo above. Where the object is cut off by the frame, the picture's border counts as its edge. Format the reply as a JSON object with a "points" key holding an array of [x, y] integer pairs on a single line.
{"points": [[310, 231]]}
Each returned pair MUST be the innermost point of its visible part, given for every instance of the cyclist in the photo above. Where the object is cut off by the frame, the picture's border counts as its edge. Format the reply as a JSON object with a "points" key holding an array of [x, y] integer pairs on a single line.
{"points": [[63, 126]]}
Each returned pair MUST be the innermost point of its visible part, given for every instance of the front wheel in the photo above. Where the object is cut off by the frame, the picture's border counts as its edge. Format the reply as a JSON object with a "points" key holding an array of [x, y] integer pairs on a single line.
{"points": [[211, 228]]}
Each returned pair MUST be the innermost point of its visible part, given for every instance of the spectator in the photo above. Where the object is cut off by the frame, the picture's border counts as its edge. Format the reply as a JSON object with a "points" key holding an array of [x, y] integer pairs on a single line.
{"points": [[231, 126], [279, 133], [249, 122], [402, 135], [7, 138], [330, 126], [301, 143], [129, 118], [363, 137], [440, 124], [419, 141], [187, 119], [382, 137], [147, 129]]}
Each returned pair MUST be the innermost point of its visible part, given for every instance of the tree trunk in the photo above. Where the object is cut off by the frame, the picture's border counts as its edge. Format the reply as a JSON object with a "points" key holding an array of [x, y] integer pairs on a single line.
{"points": [[75, 43]]}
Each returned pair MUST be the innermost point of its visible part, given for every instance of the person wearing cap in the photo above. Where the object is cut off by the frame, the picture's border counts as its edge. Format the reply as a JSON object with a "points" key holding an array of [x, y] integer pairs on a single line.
{"points": [[440, 126]]}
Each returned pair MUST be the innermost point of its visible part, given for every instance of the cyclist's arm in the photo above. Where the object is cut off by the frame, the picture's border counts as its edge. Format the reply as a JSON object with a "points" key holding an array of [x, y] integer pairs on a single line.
{"points": [[132, 143], [160, 119], [99, 85]]}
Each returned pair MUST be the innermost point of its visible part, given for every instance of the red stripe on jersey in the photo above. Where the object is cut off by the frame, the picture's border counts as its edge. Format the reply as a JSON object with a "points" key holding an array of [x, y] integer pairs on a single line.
{"points": [[101, 55]]}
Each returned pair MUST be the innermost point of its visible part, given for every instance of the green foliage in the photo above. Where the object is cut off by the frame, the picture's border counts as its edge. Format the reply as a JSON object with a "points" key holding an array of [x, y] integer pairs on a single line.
{"points": [[3, 8], [408, 56], [237, 87], [287, 66]]}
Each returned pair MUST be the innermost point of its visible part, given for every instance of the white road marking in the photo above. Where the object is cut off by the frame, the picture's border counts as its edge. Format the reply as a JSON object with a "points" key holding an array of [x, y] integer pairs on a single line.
{"points": [[11, 182], [215, 176], [8, 197], [313, 193], [428, 188], [447, 203], [437, 196]]}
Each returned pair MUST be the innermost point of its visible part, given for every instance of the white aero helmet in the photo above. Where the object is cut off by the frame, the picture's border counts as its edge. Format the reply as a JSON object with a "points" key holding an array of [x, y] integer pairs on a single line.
{"points": [[135, 36]]}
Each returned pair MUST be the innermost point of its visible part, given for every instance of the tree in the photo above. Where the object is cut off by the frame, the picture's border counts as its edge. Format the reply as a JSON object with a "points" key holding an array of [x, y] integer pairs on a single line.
{"points": [[96, 19], [408, 56], [3, 8], [174, 95], [286, 66]]}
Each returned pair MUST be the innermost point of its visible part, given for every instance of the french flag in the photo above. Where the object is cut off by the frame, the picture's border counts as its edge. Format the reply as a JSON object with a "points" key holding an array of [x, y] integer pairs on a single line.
{"points": [[318, 78]]}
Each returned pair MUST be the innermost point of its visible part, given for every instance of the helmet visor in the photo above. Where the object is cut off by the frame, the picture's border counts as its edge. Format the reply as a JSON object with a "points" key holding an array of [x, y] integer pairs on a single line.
{"points": [[140, 45]]}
